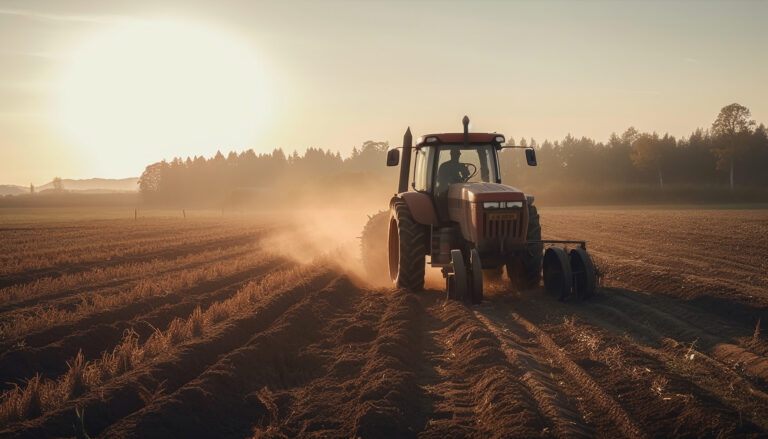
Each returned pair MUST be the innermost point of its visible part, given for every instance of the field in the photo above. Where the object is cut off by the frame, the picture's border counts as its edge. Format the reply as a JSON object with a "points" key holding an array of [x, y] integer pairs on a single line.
{"points": [[239, 325]]}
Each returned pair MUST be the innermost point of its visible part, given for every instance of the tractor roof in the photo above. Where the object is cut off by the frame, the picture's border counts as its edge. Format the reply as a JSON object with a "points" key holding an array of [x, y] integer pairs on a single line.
{"points": [[436, 139]]}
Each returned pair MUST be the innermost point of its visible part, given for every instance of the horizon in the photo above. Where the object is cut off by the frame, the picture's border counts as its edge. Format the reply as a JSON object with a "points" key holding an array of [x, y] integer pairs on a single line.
{"points": [[332, 76]]}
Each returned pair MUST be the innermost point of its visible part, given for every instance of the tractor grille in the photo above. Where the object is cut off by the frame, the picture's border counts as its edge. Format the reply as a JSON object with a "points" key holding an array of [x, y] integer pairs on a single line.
{"points": [[502, 224]]}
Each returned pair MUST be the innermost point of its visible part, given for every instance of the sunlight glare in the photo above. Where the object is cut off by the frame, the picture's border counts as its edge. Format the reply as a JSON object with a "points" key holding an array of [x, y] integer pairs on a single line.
{"points": [[152, 90]]}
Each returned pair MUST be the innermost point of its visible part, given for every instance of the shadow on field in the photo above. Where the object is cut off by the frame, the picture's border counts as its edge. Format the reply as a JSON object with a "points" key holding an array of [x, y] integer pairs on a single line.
{"points": [[648, 317]]}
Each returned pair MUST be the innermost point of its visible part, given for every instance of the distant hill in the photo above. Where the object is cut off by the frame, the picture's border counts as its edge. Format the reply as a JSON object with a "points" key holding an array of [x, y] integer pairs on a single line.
{"points": [[85, 186], [95, 185], [12, 189]]}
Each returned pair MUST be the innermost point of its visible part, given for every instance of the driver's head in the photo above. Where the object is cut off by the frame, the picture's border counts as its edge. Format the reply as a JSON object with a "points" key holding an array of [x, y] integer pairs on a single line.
{"points": [[455, 153]]}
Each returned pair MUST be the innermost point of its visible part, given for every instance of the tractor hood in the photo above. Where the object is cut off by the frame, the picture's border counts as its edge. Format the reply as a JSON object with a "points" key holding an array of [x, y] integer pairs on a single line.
{"points": [[480, 192], [501, 226]]}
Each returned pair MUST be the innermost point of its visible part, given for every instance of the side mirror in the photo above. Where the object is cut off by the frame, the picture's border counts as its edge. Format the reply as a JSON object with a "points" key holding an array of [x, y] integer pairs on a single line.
{"points": [[530, 157], [393, 157]]}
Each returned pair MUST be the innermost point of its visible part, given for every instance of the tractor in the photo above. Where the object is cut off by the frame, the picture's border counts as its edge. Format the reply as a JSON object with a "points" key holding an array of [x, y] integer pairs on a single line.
{"points": [[457, 212]]}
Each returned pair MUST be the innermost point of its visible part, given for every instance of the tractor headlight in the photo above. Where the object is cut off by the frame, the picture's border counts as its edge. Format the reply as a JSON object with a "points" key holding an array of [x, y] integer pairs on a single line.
{"points": [[513, 204], [491, 205]]}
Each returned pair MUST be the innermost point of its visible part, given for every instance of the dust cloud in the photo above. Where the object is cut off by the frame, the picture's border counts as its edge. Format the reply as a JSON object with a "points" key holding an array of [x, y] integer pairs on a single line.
{"points": [[331, 235], [309, 235]]}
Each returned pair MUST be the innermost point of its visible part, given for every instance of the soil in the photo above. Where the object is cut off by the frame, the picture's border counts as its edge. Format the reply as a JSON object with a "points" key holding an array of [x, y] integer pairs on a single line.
{"points": [[670, 346]]}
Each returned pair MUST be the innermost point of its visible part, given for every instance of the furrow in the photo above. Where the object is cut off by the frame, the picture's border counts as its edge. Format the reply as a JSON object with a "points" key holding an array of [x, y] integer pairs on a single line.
{"points": [[49, 360], [177, 367], [625, 425], [541, 379]]}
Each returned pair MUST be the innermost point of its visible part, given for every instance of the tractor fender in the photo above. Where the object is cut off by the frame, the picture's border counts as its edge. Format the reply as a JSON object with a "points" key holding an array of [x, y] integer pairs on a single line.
{"points": [[420, 205]]}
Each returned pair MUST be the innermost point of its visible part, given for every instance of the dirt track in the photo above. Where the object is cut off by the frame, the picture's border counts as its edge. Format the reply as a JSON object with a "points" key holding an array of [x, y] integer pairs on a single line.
{"points": [[667, 348]]}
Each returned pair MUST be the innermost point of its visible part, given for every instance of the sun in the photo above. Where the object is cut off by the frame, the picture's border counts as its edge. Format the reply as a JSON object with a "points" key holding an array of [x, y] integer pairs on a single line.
{"points": [[152, 90]]}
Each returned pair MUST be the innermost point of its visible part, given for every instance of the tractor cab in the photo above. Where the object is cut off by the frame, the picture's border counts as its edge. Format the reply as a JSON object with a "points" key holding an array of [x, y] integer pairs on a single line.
{"points": [[441, 160], [438, 164]]}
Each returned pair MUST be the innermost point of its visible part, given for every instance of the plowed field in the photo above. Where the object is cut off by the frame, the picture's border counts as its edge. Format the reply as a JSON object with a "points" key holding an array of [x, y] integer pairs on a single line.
{"points": [[248, 327]]}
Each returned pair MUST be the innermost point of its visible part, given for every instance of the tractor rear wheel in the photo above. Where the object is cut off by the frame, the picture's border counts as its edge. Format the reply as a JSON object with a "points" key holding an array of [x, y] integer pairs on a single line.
{"points": [[534, 253], [407, 248]]}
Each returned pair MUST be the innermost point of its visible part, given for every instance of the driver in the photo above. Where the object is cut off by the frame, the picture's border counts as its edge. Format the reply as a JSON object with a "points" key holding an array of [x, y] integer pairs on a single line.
{"points": [[452, 171]]}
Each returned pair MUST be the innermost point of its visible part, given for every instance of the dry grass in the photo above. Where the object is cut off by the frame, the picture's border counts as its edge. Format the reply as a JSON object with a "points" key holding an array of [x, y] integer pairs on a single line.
{"points": [[270, 427], [83, 247], [93, 242], [21, 324], [123, 357], [74, 381], [596, 345], [659, 385], [127, 271], [39, 395], [148, 396]]}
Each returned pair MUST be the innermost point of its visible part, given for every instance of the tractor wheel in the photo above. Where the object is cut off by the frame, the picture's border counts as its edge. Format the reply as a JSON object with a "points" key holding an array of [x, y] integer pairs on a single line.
{"points": [[525, 273], [456, 284], [583, 273], [373, 247], [557, 273], [476, 277], [534, 253], [407, 249]]}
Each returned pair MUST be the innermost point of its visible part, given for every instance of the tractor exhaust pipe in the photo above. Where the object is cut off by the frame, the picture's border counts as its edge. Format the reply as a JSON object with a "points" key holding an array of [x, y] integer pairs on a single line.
{"points": [[465, 122], [405, 164]]}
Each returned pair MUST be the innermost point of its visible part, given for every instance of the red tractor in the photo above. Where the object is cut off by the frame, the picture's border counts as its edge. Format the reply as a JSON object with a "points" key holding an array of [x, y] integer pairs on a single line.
{"points": [[457, 212]]}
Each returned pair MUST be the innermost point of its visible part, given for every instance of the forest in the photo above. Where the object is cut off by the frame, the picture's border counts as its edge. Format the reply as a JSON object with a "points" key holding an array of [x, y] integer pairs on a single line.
{"points": [[724, 162]]}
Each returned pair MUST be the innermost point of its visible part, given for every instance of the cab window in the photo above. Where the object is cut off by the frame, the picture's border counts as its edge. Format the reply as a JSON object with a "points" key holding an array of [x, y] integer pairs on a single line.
{"points": [[421, 170], [457, 164]]}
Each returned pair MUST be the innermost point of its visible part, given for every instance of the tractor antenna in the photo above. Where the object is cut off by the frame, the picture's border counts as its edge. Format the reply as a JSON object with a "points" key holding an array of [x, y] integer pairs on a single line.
{"points": [[465, 121]]}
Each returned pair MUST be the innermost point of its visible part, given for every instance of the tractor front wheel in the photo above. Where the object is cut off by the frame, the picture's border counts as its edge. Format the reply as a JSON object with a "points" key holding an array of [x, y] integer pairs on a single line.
{"points": [[456, 283], [406, 248], [476, 277], [525, 272]]}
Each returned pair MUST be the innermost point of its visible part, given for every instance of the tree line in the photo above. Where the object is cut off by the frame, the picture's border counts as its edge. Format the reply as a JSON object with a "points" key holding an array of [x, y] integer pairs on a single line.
{"points": [[732, 153], [221, 179]]}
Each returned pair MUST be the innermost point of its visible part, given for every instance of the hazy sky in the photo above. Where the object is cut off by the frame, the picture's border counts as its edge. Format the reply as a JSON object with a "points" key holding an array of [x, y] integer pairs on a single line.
{"points": [[333, 75]]}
